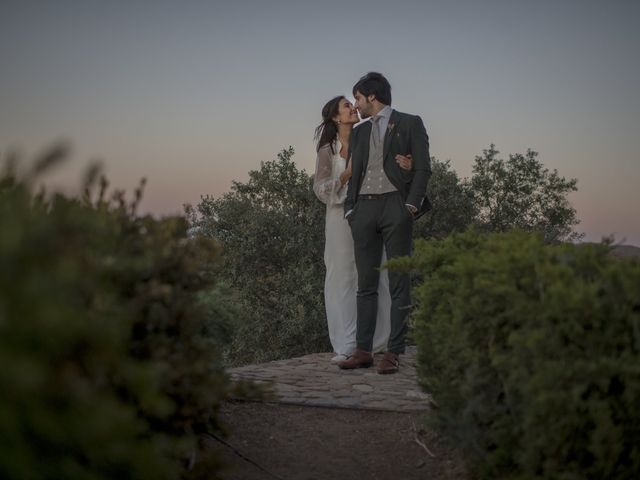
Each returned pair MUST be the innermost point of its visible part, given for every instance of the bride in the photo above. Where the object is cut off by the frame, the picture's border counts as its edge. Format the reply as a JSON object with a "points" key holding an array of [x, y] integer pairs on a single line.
{"points": [[333, 171]]}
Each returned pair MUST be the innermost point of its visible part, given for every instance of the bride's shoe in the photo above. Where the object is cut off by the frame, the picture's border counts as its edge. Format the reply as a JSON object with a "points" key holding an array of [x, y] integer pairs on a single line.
{"points": [[339, 358]]}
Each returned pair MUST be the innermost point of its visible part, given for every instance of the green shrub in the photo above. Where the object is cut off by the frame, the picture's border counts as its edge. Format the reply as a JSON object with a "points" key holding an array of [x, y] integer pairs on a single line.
{"points": [[272, 232], [109, 369], [532, 354]]}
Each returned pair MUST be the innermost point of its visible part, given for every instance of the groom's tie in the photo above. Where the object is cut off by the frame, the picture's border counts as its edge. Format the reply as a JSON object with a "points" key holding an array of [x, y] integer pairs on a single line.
{"points": [[375, 132]]}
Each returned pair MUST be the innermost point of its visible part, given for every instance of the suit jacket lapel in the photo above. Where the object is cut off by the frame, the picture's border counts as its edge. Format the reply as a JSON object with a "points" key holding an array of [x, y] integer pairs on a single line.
{"points": [[365, 134], [391, 129]]}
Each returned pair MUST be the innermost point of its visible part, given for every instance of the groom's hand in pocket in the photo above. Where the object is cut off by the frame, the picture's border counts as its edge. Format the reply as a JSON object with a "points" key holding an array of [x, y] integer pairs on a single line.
{"points": [[411, 209], [348, 215]]}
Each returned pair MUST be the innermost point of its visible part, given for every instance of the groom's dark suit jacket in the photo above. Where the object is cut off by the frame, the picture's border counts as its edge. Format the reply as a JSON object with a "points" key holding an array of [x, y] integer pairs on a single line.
{"points": [[405, 135]]}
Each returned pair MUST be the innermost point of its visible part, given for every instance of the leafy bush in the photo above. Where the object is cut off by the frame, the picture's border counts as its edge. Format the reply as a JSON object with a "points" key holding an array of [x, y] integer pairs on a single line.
{"points": [[272, 232], [532, 354], [107, 371]]}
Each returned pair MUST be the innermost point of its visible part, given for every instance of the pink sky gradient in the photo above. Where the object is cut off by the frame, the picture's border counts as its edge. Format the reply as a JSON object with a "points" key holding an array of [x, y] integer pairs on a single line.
{"points": [[193, 96]]}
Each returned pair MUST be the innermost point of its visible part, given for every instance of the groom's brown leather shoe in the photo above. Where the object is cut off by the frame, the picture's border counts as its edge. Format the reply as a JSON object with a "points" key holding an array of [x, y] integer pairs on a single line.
{"points": [[359, 359], [389, 364]]}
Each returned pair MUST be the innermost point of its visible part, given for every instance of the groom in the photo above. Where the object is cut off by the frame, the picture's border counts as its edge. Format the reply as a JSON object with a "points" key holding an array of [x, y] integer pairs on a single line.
{"points": [[382, 203]]}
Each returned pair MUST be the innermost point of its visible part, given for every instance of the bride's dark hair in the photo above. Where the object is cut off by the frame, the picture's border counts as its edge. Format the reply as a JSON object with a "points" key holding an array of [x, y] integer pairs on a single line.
{"points": [[327, 131]]}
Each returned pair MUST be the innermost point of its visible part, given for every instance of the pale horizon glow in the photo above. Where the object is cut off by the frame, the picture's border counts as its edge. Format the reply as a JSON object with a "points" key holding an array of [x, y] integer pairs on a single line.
{"points": [[195, 95]]}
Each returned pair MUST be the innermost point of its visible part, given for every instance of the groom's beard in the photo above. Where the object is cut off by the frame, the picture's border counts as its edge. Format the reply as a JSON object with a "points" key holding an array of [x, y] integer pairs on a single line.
{"points": [[365, 112]]}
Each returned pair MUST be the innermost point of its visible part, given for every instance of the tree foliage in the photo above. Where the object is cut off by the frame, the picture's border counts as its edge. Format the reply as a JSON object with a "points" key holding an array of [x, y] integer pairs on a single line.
{"points": [[108, 370], [521, 193], [452, 200], [272, 232]]}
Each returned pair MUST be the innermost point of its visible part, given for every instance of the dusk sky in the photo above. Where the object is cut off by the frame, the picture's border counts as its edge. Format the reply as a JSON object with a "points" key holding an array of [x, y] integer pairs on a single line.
{"points": [[194, 94]]}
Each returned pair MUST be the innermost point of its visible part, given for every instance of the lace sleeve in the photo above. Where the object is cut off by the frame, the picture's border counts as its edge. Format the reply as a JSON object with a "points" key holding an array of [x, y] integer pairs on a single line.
{"points": [[327, 188]]}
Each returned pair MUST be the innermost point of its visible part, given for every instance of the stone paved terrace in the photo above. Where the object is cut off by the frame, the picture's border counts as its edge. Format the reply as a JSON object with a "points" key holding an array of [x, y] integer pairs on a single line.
{"points": [[313, 380]]}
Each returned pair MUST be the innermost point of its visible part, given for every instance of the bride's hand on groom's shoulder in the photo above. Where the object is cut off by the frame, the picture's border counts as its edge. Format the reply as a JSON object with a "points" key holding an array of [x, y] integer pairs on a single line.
{"points": [[404, 161]]}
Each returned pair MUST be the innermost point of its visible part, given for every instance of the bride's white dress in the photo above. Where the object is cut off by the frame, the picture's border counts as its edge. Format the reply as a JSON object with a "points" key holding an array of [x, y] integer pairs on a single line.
{"points": [[341, 282]]}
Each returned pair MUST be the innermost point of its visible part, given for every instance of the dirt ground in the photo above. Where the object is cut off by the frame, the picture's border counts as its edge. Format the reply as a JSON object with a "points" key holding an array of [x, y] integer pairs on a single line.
{"points": [[307, 443]]}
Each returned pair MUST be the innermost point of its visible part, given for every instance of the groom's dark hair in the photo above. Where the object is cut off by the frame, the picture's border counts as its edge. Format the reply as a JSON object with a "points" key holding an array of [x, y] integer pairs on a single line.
{"points": [[374, 83]]}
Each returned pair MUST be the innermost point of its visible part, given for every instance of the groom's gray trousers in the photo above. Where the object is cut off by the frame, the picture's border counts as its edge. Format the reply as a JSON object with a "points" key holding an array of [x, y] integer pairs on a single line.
{"points": [[377, 221]]}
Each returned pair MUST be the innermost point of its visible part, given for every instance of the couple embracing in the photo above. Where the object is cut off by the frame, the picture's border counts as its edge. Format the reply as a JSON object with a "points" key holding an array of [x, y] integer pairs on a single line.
{"points": [[373, 179]]}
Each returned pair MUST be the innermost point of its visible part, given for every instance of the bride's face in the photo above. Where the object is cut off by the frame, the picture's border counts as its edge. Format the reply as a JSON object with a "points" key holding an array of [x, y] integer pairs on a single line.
{"points": [[347, 114]]}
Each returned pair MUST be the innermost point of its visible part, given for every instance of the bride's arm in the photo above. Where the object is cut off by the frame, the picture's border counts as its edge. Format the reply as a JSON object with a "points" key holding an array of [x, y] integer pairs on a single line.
{"points": [[328, 189]]}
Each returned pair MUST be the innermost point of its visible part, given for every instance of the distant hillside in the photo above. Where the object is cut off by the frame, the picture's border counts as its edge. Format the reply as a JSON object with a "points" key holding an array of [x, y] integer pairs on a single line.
{"points": [[626, 251], [621, 250]]}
